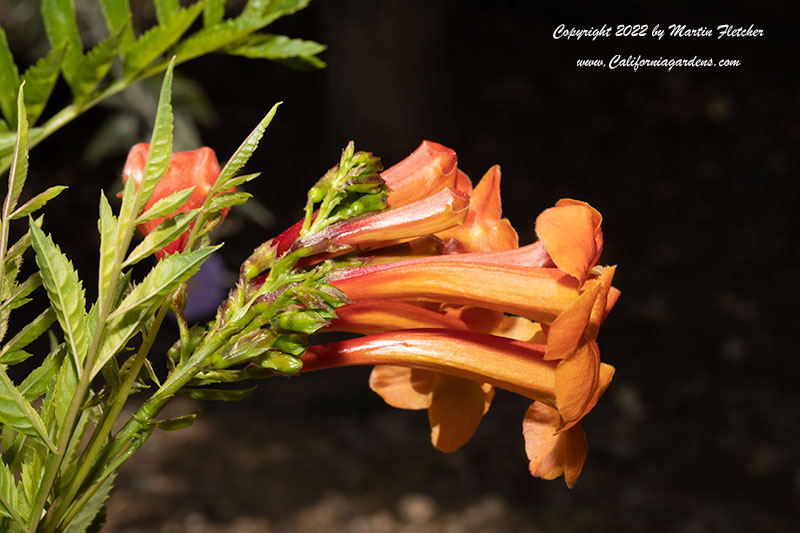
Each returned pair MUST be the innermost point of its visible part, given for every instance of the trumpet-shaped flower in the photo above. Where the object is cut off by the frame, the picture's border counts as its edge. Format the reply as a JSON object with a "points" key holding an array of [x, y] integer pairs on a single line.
{"points": [[459, 308]]}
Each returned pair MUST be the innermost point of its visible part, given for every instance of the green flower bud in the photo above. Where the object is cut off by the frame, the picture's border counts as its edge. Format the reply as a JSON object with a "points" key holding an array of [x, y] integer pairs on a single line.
{"points": [[292, 343], [282, 362], [302, 321]]}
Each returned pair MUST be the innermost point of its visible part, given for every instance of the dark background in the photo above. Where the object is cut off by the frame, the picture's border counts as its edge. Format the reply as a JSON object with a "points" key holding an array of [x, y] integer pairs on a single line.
{"points": [[694, 171]]}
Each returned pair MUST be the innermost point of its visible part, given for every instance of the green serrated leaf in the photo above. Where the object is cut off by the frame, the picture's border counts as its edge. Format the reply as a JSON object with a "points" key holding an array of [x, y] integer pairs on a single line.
{"points": [[88, 516], [243, 153], [65, 291], [166, 9], [19, 165], [107, 227], [40, 79], [28, 334], [261, 8], [17, 412], [94, 65], [20, 291], [15, 357], [8, 495], [60, 393], [24, 242], [62, 26], [180, 422], [213, 38], [37, 382], [160, 152], [118, 16], [9, 81], [166, 276], [239, 180], [226, 200], [159, 38], [216, 395], [37, 202], [166, 206], [275, 47], [214, 12], [169, 230]]}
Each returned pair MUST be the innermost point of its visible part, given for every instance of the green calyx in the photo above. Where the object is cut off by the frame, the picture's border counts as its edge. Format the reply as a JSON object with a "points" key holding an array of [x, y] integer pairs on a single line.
{"points": [[351, 188]]}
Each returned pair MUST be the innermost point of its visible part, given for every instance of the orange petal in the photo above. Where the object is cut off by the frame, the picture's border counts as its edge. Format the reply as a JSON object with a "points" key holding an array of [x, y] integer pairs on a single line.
{"points": [[427, 170], [544, 448], [442, 210], [552, 454], [571, 233], [483, 230], [463, 183], [456, 409], [576, 382], [403, 387], [376, 316], [603, 381], [575, 449], [505, 363], [606, 298], [540, 294], [476, 318], [522, 329], [567, 330]]}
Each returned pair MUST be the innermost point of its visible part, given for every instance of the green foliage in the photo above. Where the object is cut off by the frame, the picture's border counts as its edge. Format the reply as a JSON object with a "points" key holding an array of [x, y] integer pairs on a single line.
{"points": [[141, 57], [92, 516], [156, 40], [40, 78], [93, 66], [280, 48], [58, 442], [165, 206], [160, 153], [17, 413], [65, 291], [62, 27], [37, 202], [9, 81], [19, 161]]}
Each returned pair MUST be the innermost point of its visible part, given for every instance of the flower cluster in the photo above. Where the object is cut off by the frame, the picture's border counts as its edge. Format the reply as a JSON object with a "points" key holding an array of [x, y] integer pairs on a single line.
{"points": [[451, 306]]}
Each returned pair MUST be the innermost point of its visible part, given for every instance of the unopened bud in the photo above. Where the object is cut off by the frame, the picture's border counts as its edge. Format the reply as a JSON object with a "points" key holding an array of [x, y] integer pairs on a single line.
{"points": [[281, 362], [301, 321], [291, 343]]}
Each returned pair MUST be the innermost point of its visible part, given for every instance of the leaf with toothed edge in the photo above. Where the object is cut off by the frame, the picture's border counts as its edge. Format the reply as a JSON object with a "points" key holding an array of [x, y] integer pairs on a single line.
{"points": [[40, 79], [158, 39], [65, 291]]}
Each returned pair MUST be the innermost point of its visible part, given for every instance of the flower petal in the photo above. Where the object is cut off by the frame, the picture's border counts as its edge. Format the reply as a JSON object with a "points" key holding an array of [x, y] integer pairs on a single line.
{"points": [[376, 316], [522, 329], [483, 229], [567, 330], [403, 387], [552, 454], [576, 383], [572, 235], [540, 294], [427, 170], [433, 213], [505, 363], [456, 409]]}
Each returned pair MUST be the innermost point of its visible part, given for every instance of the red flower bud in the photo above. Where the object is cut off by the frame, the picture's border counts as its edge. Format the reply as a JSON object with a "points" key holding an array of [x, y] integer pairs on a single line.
{"points": [[198, 168]]}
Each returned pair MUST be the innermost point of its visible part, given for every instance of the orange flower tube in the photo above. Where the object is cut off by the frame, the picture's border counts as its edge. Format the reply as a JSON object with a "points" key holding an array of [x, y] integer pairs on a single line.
{"points": [[512, 365]]}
